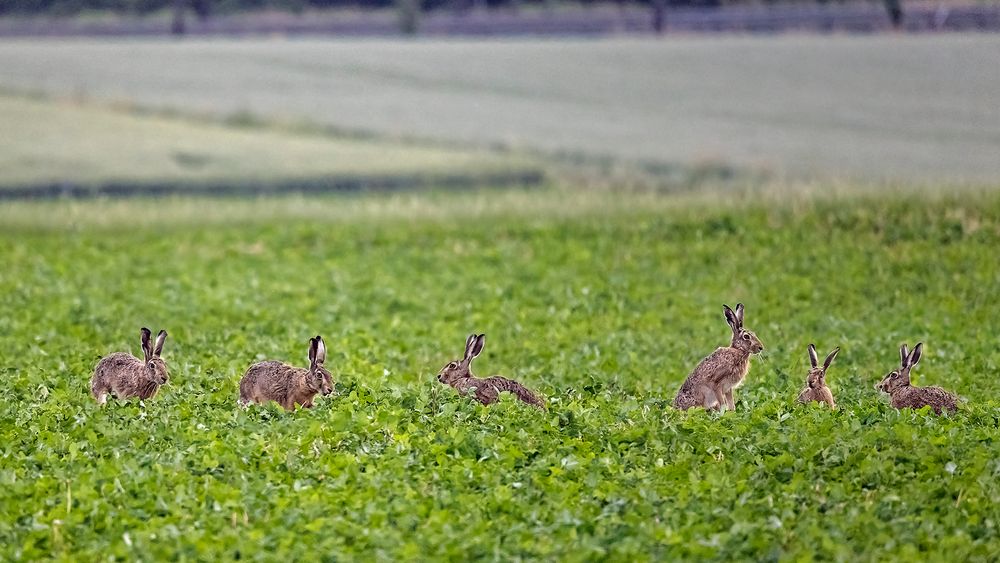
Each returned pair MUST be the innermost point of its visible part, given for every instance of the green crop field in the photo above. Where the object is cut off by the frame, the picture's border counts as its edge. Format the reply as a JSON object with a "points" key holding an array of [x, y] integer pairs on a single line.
{"points": [[602, 302], [906, 108]]}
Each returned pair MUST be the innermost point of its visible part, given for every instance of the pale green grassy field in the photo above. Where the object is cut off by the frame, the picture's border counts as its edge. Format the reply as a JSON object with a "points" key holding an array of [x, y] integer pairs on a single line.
{"points": [[46, 141], [912, 108]]}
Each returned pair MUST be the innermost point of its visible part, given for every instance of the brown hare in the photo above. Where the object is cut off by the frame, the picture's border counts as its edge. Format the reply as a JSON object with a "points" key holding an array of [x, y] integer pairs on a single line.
{"points": [[816, 389], [458, 374], [906, 396], [125, 376], [711, 383], [287, 385]]}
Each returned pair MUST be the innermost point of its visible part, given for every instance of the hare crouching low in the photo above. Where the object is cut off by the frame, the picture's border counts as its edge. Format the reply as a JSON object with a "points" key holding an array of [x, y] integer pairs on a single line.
{"points": [[287, 385], [905, 396], [816, 389], [123, 375], [458, 374], [711, 383]]}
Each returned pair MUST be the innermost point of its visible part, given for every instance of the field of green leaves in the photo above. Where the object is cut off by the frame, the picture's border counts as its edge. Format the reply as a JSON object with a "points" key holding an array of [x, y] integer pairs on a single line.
{"points": [[600, 301]]}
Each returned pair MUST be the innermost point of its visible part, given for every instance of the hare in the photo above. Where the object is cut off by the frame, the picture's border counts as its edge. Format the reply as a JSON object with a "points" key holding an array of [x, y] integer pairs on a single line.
{"points": [[287, 385], [906, 396], [126, 376], [816, 389], [711, 383], [459, 375]]}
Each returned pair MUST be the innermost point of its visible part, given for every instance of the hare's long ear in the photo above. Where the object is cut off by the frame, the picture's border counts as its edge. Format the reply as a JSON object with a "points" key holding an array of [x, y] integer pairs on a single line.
{"points": [[829, 359], [732, 319], [477, 348], [313, 347], [320, 351], [470, 342], [739, 314], [903, 354], [158, 347], [915, 355], [813, 358], [144, 334]]}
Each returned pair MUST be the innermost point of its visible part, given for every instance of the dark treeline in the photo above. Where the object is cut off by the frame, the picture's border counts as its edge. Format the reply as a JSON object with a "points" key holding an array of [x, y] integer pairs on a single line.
{"points": [[409, 12], [205, 8]]}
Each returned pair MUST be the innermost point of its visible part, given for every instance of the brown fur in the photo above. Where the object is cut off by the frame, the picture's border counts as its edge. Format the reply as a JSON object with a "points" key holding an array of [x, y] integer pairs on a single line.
{"points": [[458, 374], [123, 375], [711, 383], [905, 396], [816, 389], [287, 385]]}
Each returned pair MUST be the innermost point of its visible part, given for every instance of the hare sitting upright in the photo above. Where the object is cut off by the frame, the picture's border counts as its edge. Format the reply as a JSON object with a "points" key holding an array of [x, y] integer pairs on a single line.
{"points": [[816, 389], [287, 385], [125, 376], [906, 396], [711, 383], [458, 374]]}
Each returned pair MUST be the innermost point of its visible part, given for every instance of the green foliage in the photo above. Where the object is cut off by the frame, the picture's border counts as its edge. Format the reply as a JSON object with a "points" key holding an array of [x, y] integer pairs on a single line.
{"points": [[603, 312]]}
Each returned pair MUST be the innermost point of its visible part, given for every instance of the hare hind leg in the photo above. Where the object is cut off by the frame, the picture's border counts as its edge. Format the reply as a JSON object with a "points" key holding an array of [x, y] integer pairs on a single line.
{"points": [[99, 388], [710, 400]]}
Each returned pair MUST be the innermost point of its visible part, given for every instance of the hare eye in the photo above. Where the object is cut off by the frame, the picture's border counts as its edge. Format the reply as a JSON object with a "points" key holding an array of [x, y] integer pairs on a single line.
{"points": [[746, 337], [453, 365], [150, 365]]}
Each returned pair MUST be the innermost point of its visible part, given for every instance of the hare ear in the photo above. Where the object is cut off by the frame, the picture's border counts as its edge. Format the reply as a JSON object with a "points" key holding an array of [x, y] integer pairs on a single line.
{"points": [[829, 359], [813, 358], [469, 343], [313, 346], [477, 348], [915, 354], [731, 318], [739, 314], [320, 350], [903, 354], [144, 334], [158, 347]]}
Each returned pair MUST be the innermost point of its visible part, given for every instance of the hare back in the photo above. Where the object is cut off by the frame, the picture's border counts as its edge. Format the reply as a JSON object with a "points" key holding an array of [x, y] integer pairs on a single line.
{"points": [[485, 393], [124, 375], [513, 387], [919, 397], [723, 369], [270, 381]]}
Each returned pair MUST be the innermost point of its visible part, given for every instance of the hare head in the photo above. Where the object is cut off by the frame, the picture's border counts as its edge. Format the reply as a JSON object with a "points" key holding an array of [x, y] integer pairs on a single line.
{"points": [[897, 379], [319, 379], [457, 369], [817, 374], [743, 339], [156, 368]]}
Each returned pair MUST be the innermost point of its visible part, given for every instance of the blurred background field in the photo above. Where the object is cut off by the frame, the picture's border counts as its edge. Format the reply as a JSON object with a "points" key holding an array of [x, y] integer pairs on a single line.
{"points": [[55, 146], [916, 109]]}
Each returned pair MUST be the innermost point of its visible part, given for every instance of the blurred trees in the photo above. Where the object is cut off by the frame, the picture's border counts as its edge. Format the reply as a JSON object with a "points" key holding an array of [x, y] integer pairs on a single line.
{"points": [[204, 7], [408, 11]]}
